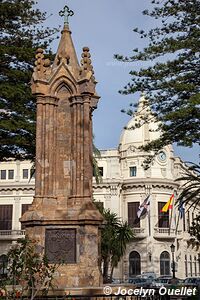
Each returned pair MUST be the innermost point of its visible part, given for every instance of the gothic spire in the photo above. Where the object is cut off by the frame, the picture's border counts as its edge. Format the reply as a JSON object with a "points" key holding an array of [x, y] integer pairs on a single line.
{"points": [[66, 52]]}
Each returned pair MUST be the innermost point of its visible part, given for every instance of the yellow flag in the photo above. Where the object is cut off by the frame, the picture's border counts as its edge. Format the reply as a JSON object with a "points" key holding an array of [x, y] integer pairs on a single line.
{"points": [[168, 205]]}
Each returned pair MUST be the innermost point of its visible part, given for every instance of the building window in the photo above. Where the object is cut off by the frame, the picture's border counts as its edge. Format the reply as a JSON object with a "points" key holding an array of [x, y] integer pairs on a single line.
{"points": [[193, 217], [3, 265], [99, 205], [6, 217], [134, 264], [25, 207], [133, 220], [186, 266], [163, 217], [191, 265], [195, 266], [32, 173], [184, 225], [101, 171], [10, 174], [188, 221], [133, 171], [164, 263], [3, 174], [25, 173]]}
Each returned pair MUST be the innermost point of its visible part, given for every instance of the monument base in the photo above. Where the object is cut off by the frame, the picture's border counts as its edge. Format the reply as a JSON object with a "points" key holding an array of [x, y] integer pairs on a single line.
{"points": [[71, 240], [74, 248]]}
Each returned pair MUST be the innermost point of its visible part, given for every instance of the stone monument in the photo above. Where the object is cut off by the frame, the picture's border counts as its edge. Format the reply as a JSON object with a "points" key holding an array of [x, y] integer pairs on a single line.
{"points": [[63, 218]]}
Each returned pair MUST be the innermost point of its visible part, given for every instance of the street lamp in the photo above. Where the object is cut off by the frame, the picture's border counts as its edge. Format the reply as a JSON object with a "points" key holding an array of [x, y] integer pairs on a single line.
{"points": [[173, 262]]}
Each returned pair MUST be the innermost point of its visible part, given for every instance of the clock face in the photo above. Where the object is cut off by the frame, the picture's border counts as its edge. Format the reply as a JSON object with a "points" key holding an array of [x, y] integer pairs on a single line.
{"points": [[162, 156]]}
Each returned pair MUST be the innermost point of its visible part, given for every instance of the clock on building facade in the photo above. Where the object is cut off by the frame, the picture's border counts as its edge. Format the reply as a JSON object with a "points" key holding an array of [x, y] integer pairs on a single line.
{"points": [[162, 156]]}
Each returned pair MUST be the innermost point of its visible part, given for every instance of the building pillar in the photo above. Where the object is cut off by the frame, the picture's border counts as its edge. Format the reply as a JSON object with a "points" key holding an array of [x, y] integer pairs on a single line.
{"points": [[17, 175], [16, 213]]}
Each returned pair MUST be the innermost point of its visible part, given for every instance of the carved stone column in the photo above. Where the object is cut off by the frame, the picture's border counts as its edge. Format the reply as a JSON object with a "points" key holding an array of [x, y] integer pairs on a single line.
{"points": [[46, 146], [81, 146]]}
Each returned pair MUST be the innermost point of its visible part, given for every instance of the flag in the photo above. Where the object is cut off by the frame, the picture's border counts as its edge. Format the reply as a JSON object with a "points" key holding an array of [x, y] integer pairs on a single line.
{"points": [[168, 205], [144, 207], [181, 209]]}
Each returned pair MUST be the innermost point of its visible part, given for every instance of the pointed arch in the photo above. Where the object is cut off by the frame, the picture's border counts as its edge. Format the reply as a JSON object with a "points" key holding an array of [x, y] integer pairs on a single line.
{"points": [[63, 76], [64, 88], [63, 82]]}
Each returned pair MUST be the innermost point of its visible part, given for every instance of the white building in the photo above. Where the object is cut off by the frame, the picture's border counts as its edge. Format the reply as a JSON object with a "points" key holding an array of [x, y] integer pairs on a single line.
{"points": [[125, 185], [16, 194]]}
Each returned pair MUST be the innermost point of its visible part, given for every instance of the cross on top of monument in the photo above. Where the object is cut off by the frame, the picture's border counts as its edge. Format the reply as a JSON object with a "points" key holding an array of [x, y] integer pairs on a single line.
{"points": [[66, 13]]}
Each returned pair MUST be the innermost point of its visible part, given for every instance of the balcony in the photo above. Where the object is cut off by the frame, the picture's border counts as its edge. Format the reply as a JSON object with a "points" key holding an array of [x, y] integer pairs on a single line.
{"points": [[165, 233], [11, 234], [139, 232]]}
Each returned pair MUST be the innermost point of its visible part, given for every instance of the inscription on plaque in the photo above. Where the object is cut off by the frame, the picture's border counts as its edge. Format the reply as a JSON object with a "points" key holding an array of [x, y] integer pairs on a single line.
{"points": [[60, 245]]}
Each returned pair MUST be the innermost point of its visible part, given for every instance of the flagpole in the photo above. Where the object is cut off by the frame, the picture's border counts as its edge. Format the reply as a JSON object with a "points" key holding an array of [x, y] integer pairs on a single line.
{"points": [[171, 215], [177, 223], [149, 220], [149, 210]]}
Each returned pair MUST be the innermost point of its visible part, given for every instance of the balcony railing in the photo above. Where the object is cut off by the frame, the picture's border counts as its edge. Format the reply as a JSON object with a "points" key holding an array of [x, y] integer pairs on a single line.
{"points": [[139, 232], [10, 234], [166, 232]]}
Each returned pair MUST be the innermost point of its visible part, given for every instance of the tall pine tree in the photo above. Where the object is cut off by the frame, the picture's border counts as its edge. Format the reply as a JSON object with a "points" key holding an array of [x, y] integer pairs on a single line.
{"points": [[172, 80], [21, 34]]}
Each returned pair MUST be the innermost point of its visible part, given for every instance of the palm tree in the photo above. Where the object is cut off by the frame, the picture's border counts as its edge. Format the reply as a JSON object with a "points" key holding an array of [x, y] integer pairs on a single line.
{"points": [[124, 235], [115, 236], [195, 228], [190, 193], [96, 172]]}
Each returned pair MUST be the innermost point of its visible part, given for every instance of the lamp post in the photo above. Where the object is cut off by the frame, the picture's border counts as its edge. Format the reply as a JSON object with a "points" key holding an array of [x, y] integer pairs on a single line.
{"points": [[173, 262]]}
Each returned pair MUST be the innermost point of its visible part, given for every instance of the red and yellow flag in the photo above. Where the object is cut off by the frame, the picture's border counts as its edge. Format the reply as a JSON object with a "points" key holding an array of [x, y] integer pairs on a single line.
{"points": [[168, 205]]}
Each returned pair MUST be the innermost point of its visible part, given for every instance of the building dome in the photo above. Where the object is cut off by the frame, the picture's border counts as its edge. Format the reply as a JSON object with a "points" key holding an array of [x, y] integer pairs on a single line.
{"points": [[142, 128]]}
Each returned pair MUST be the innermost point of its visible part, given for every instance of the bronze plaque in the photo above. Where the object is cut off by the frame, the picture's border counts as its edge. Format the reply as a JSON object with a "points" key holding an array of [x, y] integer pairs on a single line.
{"points": [[60, 245]]}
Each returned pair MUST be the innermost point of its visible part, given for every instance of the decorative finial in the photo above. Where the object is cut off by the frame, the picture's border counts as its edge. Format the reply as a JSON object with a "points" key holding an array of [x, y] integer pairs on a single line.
{"points": [[66, 13]]}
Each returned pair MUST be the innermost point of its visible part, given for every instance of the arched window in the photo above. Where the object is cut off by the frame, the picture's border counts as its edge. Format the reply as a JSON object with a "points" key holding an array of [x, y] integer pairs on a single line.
{"points": [[164, 263], [195, 266], [191, 265], [134, 264], [198, 259], [3, 265], [186, 266]]}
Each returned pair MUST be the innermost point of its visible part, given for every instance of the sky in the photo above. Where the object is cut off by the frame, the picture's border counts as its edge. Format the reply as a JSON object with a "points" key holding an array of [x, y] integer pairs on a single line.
{"points": [[106, 27]]}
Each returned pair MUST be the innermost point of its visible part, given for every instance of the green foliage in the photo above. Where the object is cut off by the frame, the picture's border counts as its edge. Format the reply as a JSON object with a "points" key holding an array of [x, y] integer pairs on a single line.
{"points": [[21, 34], [115, 236], [195, 228], [190, 189], [29, 268], [96, 172], [96, 154], [172, 80], [190, 195]]}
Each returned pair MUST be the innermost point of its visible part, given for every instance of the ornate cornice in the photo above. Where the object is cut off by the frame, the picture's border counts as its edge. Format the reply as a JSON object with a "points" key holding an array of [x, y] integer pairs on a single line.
{"points": [[153, 182], [19, 187]]}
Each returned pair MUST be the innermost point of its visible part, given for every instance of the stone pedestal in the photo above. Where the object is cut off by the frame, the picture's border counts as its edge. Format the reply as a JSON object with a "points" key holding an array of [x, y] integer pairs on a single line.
{"points": [[76, 247]]}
